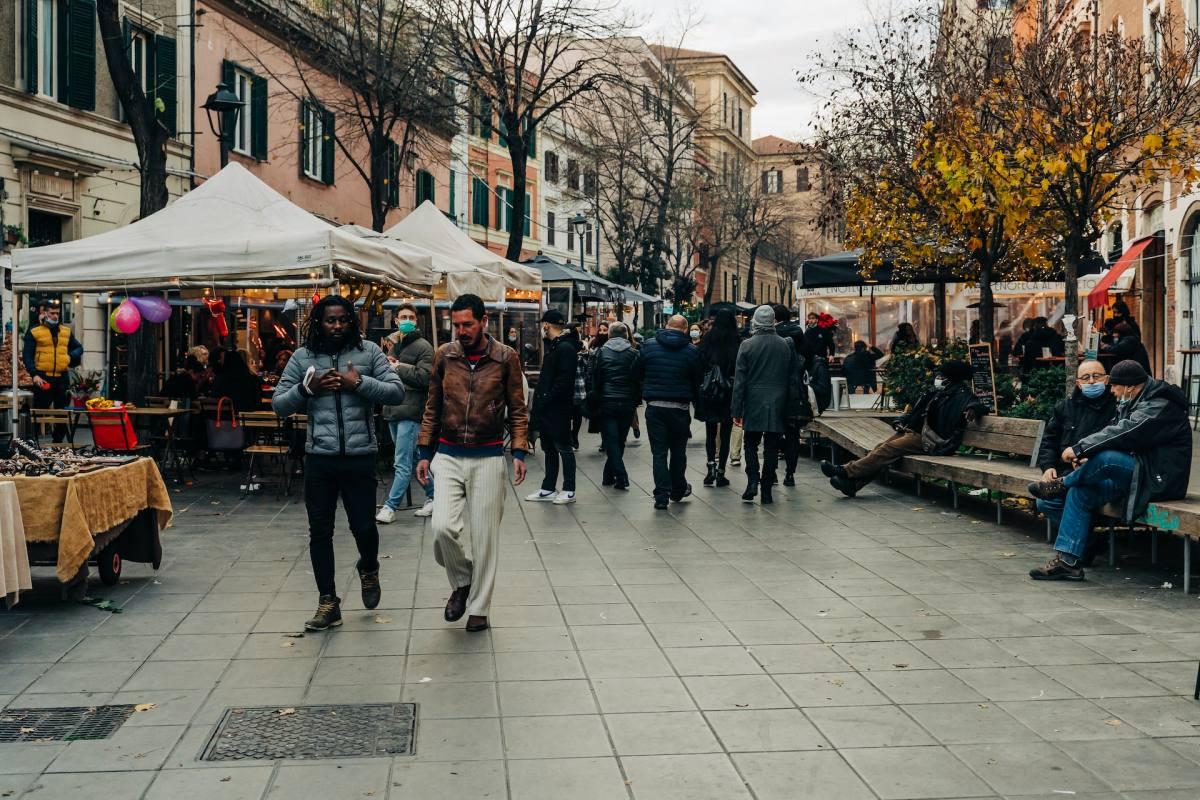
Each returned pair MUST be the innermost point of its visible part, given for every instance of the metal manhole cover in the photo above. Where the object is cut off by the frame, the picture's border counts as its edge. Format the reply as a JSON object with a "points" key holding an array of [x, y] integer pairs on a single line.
{"points": [[308, 732], [61, 724]]}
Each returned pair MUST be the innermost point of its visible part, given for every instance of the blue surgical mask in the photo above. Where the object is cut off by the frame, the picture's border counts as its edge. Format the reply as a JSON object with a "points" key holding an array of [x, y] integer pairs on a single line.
{"points": [[407, 326], [1093, 390]]}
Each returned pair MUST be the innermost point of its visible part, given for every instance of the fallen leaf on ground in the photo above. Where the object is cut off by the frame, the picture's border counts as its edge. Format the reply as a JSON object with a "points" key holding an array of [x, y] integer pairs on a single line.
{"points": [[742, 705], [425, 680], [227, 779], [1008, 555], [287, 644], [1112, 723], [900, 666], [145, 706], [26, 730], [382, 620], [285, 712]]}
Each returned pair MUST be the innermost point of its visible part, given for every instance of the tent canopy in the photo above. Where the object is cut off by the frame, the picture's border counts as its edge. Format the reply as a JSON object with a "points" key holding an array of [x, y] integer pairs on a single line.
{"points": [[587, 285], [232, 229], [429, 228], [459, 276]]}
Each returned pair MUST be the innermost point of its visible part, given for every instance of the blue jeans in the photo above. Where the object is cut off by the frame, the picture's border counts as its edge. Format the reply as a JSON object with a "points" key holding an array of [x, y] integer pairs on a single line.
{"points": [[1053, 509], [1105, 477], [404, 434]]}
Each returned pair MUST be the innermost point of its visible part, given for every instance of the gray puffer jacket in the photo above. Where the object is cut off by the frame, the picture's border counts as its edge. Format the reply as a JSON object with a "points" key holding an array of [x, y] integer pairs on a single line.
{"points": [[339, 423]]}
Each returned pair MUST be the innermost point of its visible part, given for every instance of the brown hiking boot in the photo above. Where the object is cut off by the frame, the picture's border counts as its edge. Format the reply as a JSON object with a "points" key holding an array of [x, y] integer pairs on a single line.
{"points": [[1048, 490], [1057, 570]]}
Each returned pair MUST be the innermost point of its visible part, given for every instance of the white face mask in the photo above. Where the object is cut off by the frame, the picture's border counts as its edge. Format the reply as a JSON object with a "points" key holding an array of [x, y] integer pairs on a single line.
{"points": [[938, 383]]}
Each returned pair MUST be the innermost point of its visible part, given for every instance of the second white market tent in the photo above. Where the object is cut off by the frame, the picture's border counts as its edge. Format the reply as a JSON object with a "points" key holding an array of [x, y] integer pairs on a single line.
{"points": [[430, 229], [456, 276], [234, 231]]}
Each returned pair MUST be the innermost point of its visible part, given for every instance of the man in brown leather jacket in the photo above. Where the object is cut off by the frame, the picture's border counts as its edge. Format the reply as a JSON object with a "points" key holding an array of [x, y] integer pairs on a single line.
{"points": [[475, 391]]}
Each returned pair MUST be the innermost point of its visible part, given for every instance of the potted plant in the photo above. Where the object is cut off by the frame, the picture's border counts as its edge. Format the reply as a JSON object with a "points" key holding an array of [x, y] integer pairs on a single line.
{"points": [[14, 235], [84, 385]]}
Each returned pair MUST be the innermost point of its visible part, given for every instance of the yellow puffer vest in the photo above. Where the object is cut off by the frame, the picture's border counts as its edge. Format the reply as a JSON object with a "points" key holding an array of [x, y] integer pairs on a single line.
{"points": [[51, 357]]}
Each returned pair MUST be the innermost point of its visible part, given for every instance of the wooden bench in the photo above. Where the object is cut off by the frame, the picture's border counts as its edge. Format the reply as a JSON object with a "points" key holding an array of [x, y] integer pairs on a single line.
{"points": [[1007, 437]]}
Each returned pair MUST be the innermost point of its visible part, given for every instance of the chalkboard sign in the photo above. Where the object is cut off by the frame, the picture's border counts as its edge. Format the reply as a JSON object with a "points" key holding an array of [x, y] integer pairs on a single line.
{"points": [[984, 379]]}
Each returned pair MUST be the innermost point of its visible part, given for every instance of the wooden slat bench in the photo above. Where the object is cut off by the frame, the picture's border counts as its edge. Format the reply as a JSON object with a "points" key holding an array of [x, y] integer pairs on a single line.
{"points": [[1011, 445]]}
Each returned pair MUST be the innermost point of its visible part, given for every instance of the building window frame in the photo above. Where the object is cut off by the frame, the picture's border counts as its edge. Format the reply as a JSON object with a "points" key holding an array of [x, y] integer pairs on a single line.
{"points": [[243, 132], [312, 121], [551, 221]]}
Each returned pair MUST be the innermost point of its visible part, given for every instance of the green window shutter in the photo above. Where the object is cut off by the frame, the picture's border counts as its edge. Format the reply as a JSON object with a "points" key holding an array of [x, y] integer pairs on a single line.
{"points": [[258, 117], [485, 117], [30, 44], [328, 145], [81, 54], [393, 173], [305, 135], [526, 211], [501, 130], [479, 203], [227, 78], [451, 206], [499, 208], [164, 80]]}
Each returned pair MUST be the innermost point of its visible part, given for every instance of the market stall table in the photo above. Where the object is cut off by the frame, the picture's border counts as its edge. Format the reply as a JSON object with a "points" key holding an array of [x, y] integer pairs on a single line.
{"points": [[98, 512], [14, 559]]}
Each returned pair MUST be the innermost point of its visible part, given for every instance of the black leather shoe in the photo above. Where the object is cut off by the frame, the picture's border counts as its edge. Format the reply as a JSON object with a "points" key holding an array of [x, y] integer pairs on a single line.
{"points": [[721, 479], [831, 470], [844, 485], [687, 492], [710, 475], [456, 606], [789, 480], [751, 491], [660, 503], [476, 624], [371, 591], [765, 495], [621, 486]]}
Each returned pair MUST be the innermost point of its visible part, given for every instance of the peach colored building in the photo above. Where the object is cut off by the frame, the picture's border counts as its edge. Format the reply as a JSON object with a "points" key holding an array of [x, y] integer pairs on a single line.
{"points": [[230, 47]]}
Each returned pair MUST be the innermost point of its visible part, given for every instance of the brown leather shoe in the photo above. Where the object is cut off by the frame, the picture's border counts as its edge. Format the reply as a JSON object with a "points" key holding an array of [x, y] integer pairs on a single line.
{"points": [[1048, 490], [456, 606], [1057, 570], [475, 624]]}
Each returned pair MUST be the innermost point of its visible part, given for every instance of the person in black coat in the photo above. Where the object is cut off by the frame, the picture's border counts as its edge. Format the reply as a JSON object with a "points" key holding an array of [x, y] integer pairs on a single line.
{"points": [[553, 406], [1089, 409], [859, 367], [238, 383], [669, 372], [1145, 454], [613, 395], [1121, 314], [1033, 342], [1126, 344], [718, 354], [818, 341], [933, 427]]}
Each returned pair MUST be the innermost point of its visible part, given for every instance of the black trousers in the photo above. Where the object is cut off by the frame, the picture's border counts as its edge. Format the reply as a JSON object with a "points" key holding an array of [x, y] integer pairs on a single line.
{"points": [[669, 430], [791, 446], [352, 478], [614, 428], [770, 442], [55, 396], [556, 444], [717, 431]]}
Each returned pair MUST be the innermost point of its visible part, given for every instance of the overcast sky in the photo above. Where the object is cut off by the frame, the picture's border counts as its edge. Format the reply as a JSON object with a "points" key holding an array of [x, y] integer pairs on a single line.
{"points": [[768, 40]]}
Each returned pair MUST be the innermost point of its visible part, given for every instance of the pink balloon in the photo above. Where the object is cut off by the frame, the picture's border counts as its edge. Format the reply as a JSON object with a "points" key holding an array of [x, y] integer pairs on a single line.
{"points": [[127, 317], [153, 308]]}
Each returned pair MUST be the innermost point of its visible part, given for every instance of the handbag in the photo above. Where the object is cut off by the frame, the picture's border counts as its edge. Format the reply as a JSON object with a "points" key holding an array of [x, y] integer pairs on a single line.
{"points": [[229, 436], [716, 386], [931, 441]]}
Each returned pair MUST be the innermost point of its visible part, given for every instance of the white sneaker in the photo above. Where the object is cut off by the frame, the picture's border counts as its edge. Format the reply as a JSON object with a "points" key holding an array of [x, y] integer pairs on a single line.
{"points": [[563, 498], [541, 496], [386, 515], [425, 510]]}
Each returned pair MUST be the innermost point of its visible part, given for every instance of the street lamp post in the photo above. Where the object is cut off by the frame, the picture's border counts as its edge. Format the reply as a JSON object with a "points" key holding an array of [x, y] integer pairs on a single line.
{"points": [[579, 223], [737, 279], [226, 106]]}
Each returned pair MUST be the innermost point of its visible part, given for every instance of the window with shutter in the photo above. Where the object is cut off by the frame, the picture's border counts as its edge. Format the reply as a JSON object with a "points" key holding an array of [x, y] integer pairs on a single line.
{"points": [[501, 205], [802, 183], [501, 130], [572, 174], [258, 110], [550, 222], [646, 98], [570, 237], [589, 183], [81, 54], [551, 166], [43, 35], [28, 62], [311, 126], [328, 143], [530, 138], [587, 240], [479, 202], [165, 77], [239, 82], [425, 188], [453, 213]]}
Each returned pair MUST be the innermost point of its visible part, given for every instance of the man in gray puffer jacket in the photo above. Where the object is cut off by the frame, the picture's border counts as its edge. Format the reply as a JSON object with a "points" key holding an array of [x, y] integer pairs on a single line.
{"points": [[339, 397]]}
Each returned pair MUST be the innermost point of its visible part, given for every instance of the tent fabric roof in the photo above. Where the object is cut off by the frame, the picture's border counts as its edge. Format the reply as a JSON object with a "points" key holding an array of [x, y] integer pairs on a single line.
{"points": [[429, 228], [232, 228], [586, 284], [459, 276]]}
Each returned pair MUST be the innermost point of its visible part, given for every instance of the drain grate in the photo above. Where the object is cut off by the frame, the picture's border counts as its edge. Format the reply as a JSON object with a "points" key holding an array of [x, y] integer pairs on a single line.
{"points": [[309, 732], [61, 724]]}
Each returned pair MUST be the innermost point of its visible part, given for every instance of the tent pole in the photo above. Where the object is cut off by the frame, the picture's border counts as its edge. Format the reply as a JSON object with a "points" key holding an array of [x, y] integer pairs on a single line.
{"points": [[13, 299], [433, 322], [570, 301]]}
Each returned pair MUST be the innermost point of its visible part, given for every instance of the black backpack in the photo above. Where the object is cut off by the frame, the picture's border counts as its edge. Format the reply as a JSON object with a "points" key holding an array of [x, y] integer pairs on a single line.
{"points": [[715, 386]]}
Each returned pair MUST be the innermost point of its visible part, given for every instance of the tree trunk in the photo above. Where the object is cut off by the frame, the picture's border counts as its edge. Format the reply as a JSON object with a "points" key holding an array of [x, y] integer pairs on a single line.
{"points": [[518, 152], [379, 182], [710, 265], [1074, 255], [987, 304], [750, 273], [939, 311]]}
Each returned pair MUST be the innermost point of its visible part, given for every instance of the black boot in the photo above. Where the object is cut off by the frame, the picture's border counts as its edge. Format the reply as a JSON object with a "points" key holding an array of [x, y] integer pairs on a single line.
{"points": [[789, 479], [765, 495], [751, 491], [721, 479], [710, 477]]}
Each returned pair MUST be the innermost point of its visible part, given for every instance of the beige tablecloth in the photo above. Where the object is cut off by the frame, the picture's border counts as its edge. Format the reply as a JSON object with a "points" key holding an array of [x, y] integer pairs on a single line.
{"points": [[71, 511], [14, 558]]}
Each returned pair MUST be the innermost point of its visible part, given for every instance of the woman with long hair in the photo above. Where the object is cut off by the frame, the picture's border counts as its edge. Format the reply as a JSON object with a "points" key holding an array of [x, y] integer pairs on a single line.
{"points": [[718, 353]]}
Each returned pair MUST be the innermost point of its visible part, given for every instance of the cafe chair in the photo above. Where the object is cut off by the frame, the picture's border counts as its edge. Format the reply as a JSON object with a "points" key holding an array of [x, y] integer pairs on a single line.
{"points": [[45, 421], [113, 430], [267, 438]]}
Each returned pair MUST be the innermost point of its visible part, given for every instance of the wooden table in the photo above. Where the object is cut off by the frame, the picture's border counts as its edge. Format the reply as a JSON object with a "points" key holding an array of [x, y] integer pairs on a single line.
{"points": [[168, 416]]}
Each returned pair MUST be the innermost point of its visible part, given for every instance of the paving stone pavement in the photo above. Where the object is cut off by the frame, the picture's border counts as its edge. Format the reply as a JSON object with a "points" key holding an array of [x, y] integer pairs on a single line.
{"points": [[879, 648]]}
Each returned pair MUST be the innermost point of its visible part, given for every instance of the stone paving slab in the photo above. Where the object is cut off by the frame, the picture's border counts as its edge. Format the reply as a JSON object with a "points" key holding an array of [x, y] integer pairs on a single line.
{"points": [[869, 649]]}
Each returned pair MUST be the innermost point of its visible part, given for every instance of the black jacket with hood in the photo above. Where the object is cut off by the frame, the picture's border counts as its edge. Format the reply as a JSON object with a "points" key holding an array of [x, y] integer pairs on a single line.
{"points": [[669, 368], [1153, 428], [1075, 418], [613, 385], [554, 397], [945, 411]]}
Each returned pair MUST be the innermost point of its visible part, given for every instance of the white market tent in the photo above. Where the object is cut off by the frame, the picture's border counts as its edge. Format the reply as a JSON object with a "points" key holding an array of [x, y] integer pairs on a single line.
{"points": [[232, 230], [430, 229], [457, 276]]}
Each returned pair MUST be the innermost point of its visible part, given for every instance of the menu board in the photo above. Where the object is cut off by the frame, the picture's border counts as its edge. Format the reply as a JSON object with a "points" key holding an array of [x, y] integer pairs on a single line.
{"points": [[984, 379]]}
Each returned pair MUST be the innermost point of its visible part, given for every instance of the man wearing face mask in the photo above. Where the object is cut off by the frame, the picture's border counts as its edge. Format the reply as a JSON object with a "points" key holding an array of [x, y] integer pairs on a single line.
{"points": [[411, 355], [50, 350], [1145, 454], [1089, 408], [934, 427]]}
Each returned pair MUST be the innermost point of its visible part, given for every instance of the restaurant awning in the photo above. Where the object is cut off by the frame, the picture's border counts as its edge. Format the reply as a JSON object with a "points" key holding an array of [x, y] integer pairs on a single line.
{"points": [[585, 285], [842, 269], [1098, 297]]}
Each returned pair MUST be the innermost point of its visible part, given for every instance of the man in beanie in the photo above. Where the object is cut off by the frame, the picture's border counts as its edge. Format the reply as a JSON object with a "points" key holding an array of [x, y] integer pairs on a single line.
{"points": [[934, 427], [1145, 454], [766, 378], [669, 372]]}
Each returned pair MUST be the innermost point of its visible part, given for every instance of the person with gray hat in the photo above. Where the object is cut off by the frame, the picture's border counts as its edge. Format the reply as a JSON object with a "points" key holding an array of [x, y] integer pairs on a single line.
{"points": [[766, 380], [1145, 454]]}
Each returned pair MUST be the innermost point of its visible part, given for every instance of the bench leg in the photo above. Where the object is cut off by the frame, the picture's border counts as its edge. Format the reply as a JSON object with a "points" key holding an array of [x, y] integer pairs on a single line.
{"points": [[917, 478], [954, 493], [1187, 565], [1112, 545], [1196, 696], [1154, 545], [999, 509], [1049, 531]]}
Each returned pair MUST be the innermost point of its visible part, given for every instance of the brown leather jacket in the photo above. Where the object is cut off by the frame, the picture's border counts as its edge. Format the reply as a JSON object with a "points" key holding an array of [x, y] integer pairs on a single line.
{"points": [[471, 406]]}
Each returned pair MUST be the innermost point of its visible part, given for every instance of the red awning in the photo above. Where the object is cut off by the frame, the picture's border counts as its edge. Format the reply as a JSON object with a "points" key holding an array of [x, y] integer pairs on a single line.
{"points": [[1098, 297]]}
